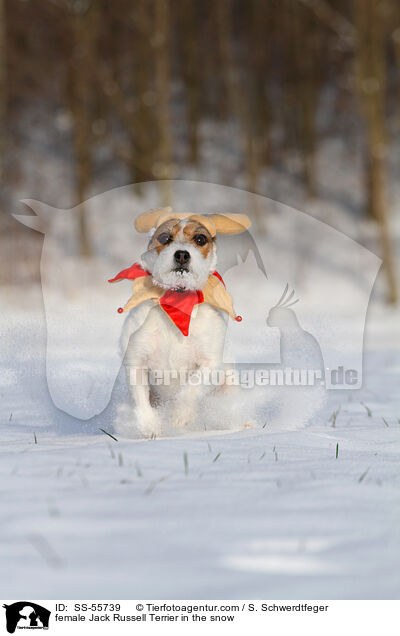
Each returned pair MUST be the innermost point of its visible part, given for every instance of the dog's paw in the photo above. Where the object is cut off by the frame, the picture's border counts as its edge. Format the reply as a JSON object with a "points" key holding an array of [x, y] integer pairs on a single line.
{"points": [[148, 423]]}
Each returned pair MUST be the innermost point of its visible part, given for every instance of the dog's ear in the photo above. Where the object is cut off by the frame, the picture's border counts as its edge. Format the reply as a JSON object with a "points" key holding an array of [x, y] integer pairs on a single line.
{"points": [[230, 223], [147, 220]]}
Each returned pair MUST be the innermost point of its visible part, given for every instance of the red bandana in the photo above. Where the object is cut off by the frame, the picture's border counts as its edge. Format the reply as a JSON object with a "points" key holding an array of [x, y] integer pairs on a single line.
{"points": [[131, 273], [177, 304]]}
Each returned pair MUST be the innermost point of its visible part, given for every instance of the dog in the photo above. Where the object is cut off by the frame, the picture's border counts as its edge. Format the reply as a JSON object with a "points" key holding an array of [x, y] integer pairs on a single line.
{"points": [[179, 263]]}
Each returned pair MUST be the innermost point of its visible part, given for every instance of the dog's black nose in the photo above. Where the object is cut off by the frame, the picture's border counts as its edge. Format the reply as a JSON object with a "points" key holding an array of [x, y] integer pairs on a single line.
{"points": [[181, 257]]}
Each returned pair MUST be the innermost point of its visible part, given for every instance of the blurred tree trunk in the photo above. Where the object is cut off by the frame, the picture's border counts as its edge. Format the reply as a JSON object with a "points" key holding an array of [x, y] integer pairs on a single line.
{"points": [[192, 74], [161, 41], [237, 98], [308, 93], [3, 84], [258, 70], [303, 87], [394, 17], [370, 68], [84, 29], [142, 124]]}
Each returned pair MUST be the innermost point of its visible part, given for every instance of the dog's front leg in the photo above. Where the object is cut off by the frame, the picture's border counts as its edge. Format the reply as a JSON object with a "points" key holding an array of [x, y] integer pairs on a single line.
{"points": [[195, 385], [147, 420]]}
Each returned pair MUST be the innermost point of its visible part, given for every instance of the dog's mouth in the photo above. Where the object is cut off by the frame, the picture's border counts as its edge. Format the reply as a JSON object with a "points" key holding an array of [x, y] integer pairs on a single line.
{"points": [[181, 270], [179, 277]]}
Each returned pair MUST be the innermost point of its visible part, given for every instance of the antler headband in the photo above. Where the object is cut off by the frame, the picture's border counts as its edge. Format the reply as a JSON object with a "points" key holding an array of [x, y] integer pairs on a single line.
{"points": [[215, 223]]}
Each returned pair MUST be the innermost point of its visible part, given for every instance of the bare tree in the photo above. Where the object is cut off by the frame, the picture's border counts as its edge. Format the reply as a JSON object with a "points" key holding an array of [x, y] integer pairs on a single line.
{"points": [[237, 98], [370, 70], [302, 80], [191, 56], [161, 43], [3, 82], [142, 123], [83, 22]]}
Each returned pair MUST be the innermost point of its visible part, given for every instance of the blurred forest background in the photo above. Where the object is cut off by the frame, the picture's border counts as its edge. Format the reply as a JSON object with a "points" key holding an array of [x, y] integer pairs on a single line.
{"points": [[97, 94]]}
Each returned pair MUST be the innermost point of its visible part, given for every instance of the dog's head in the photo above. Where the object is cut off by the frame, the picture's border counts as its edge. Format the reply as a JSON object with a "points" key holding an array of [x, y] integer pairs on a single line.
{"points": [[182, 250]]}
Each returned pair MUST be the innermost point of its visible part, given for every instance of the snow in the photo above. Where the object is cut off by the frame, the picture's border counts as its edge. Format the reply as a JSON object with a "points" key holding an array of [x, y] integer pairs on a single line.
{"points": [[257, 514], [217, 511]]}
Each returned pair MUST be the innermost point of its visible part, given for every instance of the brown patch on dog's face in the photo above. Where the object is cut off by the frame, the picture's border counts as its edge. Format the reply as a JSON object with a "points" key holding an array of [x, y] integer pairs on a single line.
{"points": [[164, 235], [186, 232], [199, 236]]}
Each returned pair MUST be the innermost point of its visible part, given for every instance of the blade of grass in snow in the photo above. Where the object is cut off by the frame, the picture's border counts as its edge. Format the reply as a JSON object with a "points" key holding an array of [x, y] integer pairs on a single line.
{"points": [[10, 417], [334, 416], [111, 451], [186, 463], [216, 457], [365, 473], [35, 438], [369, 412], [337, 450], [109, 434], [120, 459], [48, 554], [385, 422], [138, 470], [154, 484]]}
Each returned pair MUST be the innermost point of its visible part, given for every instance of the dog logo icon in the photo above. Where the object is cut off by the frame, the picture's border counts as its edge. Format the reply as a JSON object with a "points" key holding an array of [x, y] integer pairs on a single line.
{"points": [[26, 615]]}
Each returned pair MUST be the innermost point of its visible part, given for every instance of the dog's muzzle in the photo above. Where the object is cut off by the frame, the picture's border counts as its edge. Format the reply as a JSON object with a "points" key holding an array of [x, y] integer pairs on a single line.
{"points": [[181, 259]]}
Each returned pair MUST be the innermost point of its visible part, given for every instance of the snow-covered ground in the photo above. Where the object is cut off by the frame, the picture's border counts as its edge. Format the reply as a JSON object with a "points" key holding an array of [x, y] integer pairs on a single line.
{"points": [[305, 504], [253, 514]]}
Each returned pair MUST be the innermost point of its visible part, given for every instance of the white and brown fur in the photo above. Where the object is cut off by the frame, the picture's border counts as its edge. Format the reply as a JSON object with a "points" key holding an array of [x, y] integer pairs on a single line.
{"points": [[157, 344]]}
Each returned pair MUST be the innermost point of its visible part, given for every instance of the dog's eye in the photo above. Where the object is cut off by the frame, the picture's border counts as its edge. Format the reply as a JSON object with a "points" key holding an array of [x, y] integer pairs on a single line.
{"points": [[200, 239], [164, 238]]}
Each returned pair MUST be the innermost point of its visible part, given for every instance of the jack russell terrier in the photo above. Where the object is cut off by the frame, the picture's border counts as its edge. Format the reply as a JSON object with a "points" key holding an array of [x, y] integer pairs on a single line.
{"points": [[178, 321]]}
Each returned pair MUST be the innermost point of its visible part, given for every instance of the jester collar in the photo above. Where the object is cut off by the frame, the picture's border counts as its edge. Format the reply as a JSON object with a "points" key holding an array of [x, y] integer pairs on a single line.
{"points": [[178, 305]]}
